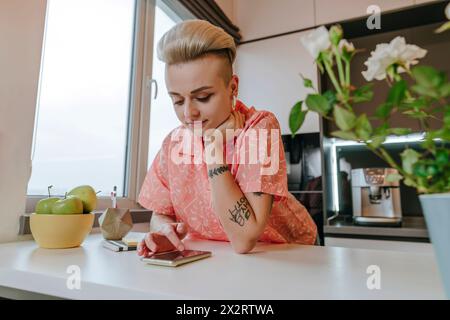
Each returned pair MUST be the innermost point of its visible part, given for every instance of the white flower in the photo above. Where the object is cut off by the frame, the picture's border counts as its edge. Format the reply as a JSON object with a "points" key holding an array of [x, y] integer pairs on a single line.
{"points": [[348, 46], [385, 55], [447, 11], [317, 41]]}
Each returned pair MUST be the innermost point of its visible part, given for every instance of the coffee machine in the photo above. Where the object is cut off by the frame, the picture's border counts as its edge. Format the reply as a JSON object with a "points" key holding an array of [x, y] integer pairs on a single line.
{"points": [[376, 201]]}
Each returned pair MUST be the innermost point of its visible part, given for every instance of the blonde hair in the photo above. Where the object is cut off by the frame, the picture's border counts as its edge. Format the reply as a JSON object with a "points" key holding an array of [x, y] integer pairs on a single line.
{"points": [[192, 39]]}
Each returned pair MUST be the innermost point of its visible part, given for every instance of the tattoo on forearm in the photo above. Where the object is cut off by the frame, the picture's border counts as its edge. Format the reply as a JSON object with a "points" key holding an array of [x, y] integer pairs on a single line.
{"points": [[217, 171], [241, 212]]}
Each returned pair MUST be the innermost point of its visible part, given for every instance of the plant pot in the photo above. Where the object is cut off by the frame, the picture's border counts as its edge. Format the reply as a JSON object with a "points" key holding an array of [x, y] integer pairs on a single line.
{"points": [[436, 209]]}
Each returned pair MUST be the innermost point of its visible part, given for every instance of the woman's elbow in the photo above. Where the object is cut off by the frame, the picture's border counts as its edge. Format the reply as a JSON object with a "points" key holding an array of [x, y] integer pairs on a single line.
{"points": [[243, 247]]}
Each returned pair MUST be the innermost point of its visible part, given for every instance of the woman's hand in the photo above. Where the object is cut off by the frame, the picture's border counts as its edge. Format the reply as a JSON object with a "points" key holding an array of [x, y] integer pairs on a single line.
{"points": [[167, 238]]}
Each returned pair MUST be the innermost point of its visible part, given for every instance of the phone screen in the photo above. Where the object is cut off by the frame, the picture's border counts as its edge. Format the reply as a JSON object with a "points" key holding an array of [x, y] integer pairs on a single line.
{"points": [[176, 255]]}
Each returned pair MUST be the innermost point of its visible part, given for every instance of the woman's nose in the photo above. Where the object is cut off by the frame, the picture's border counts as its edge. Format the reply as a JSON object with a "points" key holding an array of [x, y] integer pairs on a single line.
{"points": [[190, 112]]}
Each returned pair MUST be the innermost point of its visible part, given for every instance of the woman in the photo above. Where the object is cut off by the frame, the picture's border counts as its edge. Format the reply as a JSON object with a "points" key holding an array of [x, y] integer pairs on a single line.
{"points": [[208, 183]]}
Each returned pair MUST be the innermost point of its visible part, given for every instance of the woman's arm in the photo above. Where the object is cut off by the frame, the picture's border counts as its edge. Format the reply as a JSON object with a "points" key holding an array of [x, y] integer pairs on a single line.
{"points": [[243, 216]]}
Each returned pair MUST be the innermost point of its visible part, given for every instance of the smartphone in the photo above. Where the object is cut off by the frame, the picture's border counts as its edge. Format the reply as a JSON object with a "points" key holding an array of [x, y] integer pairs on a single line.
{"points": [[176, 258]]}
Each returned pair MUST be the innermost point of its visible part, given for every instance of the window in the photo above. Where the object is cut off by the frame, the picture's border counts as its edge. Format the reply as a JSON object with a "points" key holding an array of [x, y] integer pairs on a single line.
{"points": [[162, 115], [83, 108], [93, 118]]}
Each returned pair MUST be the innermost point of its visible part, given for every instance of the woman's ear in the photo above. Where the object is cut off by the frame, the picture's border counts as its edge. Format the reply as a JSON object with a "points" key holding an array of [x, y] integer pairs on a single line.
{"points": [[234, 84]]}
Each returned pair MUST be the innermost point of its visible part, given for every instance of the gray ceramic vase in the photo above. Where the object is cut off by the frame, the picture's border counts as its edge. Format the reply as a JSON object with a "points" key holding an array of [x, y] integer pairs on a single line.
{"points": [[436, 209]]}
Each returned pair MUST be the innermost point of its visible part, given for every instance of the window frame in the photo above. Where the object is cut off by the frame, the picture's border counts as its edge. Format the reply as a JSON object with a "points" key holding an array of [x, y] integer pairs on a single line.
{"points": [[139, 111]]}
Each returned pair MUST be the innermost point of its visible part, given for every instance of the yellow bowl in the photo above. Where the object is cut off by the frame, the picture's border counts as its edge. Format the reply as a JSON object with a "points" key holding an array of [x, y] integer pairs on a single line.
{"points": [[53, 231]]}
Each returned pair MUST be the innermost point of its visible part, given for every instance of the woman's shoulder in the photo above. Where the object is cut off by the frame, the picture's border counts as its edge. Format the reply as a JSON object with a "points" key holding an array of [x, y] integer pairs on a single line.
{"points": [[262, 119], [257, 118]]}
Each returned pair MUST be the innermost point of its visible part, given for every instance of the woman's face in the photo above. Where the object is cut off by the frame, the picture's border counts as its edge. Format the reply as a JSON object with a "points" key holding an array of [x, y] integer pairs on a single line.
{"points": [[199, 93]]}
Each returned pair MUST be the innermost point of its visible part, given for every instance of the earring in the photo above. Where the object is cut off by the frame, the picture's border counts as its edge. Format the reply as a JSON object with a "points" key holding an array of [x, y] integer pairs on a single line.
{"points": [[233, 106]]}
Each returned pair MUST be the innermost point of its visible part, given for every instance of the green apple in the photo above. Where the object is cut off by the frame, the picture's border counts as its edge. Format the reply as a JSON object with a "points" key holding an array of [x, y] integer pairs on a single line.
{"points": [[44, 206], [87, 195], [68, 205]]}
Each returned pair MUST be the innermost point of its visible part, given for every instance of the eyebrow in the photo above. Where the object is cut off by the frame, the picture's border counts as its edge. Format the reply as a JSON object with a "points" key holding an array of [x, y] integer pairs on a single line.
{"points": [[192, 92]]}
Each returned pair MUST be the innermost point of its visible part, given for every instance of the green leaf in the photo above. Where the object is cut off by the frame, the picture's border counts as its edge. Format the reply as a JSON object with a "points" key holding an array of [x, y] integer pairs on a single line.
{"points": [[377, 141], [318, 103], [443, 134], [447, 117], [392, 70], [336, 34], [363, 94], [432, 170], [443, 28], [420, 170], [410, 183], [331, 97], [307, 83], [296, 117], [442, 157], [416, 114], [409, 159], [381, 130], [383, 110], [428, 143], [418, 103], [347, 56], [345, 119], [399, 131], [326, 57], [363, 128], [394, 177], [345, 135], [424, 91], [428, 77], [320, 65], [397, 93], [444, 90]]}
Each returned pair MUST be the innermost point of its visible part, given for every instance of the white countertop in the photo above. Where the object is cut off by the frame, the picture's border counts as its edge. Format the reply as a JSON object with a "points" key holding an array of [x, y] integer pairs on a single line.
{"points": [[271, 271]]}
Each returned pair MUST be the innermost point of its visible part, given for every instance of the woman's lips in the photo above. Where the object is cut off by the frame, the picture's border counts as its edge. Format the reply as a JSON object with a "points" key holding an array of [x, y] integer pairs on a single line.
{"points": [[193, 124]]}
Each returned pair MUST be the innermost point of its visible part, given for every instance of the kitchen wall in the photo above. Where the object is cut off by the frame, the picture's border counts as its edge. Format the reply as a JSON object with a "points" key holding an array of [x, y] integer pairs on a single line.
{"points": [[261, 18], [227, 7], [21, 33], [269, 73], [269, 70]]}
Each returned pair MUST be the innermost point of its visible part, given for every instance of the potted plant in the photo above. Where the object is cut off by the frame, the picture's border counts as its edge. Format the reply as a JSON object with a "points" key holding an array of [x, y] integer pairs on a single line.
{"points": [[427, 169]]}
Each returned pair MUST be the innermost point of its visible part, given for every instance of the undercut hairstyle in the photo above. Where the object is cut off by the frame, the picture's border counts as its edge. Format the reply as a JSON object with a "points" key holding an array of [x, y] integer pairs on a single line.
{"points": [[193, 39]]}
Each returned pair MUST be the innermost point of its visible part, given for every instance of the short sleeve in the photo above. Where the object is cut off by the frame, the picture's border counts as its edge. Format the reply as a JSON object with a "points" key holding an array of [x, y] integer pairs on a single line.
{"points": [[155, 192], [260, 157]]}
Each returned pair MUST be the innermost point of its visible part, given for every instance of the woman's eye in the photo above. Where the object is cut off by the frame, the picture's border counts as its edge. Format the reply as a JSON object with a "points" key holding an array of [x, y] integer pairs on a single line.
{"points": [[204, 99], [178, 103]]}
